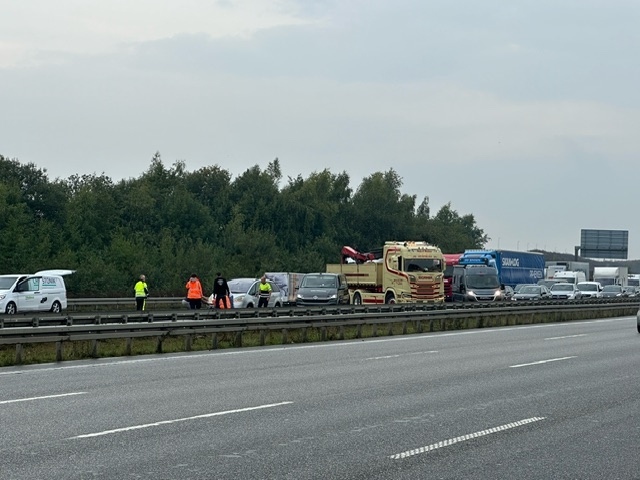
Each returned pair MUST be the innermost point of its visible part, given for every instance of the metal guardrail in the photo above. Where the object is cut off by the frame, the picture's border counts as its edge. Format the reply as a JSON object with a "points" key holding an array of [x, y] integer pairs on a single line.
{"points": [[16, 330]]}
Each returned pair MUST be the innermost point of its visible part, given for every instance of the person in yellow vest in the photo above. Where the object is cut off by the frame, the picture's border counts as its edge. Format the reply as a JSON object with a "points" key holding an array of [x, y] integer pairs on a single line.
{"points": [[264, 292], [142, 292]]}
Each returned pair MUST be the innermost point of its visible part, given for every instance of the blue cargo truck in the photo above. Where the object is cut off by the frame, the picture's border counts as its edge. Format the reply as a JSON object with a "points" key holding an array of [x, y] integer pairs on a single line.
{"points": [[513, 267]]}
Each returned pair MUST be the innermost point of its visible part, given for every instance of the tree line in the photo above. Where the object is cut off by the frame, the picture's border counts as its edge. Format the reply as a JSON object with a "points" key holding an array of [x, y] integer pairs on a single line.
{"points": [[170, 222]]}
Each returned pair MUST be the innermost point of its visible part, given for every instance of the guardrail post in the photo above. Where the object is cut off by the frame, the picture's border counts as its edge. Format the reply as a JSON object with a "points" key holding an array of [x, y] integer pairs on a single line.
{"points": [[304, 335], [374, 330], [285, 336], [187, 343], [341, 332], [390, 329], [94, 348], [159, 344], [97, 320], [125, 319], [174, 317], [323, 334], [214, 341], [359, 331], [239, 339], [127, 346], [263, 337], [59, 351], [404, 328], [19, 354], [150, 318]]}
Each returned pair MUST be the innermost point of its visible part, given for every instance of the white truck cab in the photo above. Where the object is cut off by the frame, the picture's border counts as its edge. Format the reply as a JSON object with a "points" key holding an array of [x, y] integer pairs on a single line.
{"points": [[41, 291]]}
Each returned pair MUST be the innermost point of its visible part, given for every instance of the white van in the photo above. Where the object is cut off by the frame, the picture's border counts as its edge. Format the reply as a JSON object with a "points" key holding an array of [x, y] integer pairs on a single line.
{"points": [[41, 291], [574, 277]]}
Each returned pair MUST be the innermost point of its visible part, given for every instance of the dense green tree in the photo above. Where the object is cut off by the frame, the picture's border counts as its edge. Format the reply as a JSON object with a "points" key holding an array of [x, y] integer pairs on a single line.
{"points": [[169, 223]]}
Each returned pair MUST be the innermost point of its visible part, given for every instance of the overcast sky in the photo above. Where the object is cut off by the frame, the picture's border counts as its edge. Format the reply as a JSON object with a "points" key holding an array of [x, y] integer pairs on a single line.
{"points": [[524, 113]]}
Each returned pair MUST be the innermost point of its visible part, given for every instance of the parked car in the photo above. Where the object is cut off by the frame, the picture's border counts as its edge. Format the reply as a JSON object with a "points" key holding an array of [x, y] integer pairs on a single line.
{"points": [[532, 292], [319, 289], [565, 291], [590, 289], [244, 292], [610, 291]]}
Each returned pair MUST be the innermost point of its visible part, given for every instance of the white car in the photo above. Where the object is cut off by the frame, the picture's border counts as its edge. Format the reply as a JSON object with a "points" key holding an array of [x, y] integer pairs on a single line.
{"points": [[590, 289], [565, 291], [244, 292]]}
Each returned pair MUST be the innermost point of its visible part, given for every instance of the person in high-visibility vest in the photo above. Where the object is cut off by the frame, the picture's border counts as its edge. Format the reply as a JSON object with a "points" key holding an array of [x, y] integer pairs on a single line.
{"points": [[264, 292], [194, 292], [142, 292]]}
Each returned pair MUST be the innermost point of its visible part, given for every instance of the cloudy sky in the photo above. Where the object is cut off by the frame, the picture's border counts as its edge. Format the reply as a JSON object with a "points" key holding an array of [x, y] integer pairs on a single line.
{"points": [[524, 113]]}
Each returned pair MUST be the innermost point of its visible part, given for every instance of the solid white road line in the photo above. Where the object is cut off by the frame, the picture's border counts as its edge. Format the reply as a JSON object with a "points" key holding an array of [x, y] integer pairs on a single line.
{"points": [[168, 422], [44, 397], [567, 336], [541, 362], [464, 438]]}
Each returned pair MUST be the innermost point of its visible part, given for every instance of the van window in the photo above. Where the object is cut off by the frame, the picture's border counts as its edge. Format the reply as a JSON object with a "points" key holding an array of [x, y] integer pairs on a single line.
{"points": [[31, 285]]}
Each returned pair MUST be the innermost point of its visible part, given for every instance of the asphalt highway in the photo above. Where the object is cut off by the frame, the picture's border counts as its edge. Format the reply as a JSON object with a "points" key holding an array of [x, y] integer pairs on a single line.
{"points": [[552, 401]]}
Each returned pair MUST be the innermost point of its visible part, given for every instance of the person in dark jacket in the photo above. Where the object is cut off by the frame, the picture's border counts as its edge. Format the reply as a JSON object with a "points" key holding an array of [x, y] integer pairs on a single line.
{"points": [[221, 292]]}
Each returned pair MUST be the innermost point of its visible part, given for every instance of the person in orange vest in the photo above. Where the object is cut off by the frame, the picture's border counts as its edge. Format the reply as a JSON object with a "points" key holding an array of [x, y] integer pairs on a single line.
{"points": [[194, 292]]}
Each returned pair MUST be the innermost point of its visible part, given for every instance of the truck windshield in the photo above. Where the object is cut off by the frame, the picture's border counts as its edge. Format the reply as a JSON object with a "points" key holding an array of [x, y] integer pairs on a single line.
{"points": [[422, 265], [482, 281]]}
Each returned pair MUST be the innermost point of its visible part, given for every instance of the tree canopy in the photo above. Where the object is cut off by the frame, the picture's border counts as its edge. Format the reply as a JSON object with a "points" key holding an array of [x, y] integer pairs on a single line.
{"points": [[169, 223]]}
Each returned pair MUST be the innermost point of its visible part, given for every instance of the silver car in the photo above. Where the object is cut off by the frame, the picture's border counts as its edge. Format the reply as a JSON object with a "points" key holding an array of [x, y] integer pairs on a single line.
{"points": [[245, 293]]}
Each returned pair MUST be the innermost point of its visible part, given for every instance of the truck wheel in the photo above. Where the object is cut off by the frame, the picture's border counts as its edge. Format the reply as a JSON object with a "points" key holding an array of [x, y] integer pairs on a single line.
{"points": [[11, 308], [357, 299], [390, 298], [56, 307]]}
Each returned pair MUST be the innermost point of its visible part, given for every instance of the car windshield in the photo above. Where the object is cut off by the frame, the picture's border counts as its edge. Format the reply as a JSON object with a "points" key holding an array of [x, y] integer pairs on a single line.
{"points": [[422, 265], [529, 289], [612, 288], [240, 285], [587, 287], [319, 281], [7, 282], [482, 281], [561, 288]]}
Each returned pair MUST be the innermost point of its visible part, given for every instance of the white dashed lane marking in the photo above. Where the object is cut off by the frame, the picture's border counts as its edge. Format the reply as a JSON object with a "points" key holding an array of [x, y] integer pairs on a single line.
{"points": [[44, 397], [567, 336], [401, 355], [541, 362], [168, 422]]}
